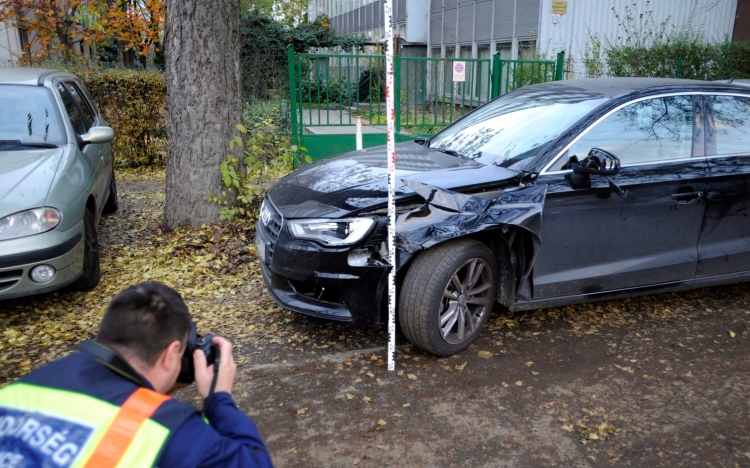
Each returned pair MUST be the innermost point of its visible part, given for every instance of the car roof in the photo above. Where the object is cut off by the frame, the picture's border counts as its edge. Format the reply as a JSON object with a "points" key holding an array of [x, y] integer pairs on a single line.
{"points": [[29, 76], [612, 87]]}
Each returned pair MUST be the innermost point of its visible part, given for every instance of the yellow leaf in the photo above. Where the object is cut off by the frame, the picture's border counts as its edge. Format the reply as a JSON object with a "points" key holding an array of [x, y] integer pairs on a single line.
{"points": [[411, 377], [349, 396], [381, 422], [529, 363], [731, 334], [519, 383], [461, 366], [406, 405], [567, 427], [384, 447], [367, 399], [484, 354], [302, 411]]}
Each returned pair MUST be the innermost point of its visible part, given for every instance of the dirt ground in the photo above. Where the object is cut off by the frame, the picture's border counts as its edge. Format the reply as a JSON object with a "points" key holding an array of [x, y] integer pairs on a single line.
{"points": [[654, 381]]}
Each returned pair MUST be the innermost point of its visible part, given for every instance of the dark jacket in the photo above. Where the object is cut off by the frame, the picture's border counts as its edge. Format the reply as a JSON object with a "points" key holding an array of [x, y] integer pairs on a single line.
{"points": [[229, 439]]}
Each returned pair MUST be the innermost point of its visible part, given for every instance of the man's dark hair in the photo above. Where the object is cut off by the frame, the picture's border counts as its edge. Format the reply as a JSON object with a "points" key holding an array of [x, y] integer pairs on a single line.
{"points": [[143, 320]]}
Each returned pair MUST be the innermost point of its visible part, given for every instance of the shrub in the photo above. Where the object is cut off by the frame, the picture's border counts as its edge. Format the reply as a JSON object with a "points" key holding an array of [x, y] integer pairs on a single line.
{"points": [[258, 158], [648, 48], [134, 103]]}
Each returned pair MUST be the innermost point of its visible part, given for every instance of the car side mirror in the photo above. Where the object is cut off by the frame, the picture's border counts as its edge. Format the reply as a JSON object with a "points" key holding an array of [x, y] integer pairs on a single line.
{"points": [[597, 162], [97, 135]]}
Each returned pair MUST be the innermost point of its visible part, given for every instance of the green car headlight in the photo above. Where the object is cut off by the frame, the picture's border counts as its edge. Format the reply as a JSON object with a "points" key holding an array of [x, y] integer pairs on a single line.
{"points": [[29, 222], [333, 232]]}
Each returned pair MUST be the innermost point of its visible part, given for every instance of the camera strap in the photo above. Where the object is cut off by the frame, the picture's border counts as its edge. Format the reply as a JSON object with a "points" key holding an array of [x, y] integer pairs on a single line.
{"points": [[213, 382], [112, 360]]}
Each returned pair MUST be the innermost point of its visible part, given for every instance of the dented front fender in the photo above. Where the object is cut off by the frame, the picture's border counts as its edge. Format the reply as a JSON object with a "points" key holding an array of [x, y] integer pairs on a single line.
{"points": [[447, 215]]}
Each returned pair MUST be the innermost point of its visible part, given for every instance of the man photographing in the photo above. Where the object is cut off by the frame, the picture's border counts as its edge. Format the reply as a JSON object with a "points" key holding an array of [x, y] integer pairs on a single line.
{"points": [[106, 404]]}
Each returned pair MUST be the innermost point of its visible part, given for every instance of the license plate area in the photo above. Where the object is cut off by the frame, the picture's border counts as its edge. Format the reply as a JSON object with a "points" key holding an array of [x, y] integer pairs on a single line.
{"points": [[261, 248]]}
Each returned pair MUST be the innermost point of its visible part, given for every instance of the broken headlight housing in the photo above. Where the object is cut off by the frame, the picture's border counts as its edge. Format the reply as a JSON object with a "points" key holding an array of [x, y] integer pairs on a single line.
{"points": [[332, 232]]}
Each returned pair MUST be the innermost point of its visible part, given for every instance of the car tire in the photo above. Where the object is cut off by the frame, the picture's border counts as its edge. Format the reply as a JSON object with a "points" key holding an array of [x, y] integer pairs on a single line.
{"points": [[111, 205], [440, 308], [91, 272]]}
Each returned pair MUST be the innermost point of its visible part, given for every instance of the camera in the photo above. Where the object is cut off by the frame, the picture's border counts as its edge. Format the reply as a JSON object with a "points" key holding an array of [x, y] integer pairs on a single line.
{"points": [[195, 342]]}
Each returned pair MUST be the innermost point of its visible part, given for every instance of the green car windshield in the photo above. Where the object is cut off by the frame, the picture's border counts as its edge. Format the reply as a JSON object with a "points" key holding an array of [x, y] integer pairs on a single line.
{"points": [[510, 130], [28, 116]]}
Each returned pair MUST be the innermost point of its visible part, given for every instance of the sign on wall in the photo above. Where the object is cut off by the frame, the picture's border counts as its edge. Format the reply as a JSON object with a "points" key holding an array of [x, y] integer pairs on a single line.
{"points": [[459, 71], [559, 7]]}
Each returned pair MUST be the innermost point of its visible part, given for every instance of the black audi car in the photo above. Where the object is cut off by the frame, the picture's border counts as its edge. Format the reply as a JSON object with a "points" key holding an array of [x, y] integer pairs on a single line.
{"points": [[558, 193]]}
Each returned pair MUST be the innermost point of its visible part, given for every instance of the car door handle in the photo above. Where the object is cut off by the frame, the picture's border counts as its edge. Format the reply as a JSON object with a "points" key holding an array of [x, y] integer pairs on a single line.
{"points": [[685, 198]]}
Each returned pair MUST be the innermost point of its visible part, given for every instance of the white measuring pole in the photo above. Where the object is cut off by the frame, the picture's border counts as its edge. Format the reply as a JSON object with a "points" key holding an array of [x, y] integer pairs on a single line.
{"points": [[391, 142], [358, 133]]}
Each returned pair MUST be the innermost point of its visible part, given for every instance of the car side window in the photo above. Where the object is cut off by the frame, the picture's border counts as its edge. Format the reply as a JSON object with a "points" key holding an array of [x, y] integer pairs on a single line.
{"points": [[656, 129], [82, 102], [76, 118], [728, 126]]}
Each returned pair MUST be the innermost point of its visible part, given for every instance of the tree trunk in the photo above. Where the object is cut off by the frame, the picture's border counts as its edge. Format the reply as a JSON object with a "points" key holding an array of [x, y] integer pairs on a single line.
{"points": [[204, 103]]}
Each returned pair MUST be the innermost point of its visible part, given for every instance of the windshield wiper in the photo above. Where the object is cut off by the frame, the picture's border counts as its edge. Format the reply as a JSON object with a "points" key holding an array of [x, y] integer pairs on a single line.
{"points": [[451, 152], [18, 143]]}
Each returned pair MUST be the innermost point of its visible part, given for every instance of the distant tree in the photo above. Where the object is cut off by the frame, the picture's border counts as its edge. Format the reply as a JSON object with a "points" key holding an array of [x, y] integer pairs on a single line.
{"points": [[204, 99], [53, 27], [135, 26], [264, 40], [64, 28]]}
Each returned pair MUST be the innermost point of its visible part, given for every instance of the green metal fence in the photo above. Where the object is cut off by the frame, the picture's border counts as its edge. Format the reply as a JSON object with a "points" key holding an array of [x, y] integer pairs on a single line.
{"points": [[329, 91]]}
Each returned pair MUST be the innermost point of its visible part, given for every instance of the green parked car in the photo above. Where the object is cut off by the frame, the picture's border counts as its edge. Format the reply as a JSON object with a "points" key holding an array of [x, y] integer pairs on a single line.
{"points": [[56, 180]]}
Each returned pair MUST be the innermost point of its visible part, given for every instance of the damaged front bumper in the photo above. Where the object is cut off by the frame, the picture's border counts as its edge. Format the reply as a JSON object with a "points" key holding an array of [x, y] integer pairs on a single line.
{"points": [[330, 283], [349, 284]]}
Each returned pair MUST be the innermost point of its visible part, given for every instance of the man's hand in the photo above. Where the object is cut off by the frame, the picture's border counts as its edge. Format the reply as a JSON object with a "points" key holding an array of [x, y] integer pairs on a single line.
{"points": [[205, 374]]}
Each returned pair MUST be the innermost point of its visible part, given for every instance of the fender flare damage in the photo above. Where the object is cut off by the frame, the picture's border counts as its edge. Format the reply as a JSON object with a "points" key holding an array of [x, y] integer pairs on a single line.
{"points": [[447, 215]]}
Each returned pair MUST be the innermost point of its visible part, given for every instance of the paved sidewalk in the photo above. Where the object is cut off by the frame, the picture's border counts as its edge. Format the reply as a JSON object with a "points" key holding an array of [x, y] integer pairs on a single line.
{"points": [[328, 122]]}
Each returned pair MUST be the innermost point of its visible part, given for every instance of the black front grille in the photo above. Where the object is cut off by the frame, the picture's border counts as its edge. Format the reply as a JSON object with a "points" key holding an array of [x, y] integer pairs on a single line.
{"points": [[8, 279], [271, 225]]}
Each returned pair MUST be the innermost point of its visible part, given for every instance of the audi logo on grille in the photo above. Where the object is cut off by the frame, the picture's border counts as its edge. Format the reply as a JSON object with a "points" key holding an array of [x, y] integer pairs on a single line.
{"points": [[265, 214]]}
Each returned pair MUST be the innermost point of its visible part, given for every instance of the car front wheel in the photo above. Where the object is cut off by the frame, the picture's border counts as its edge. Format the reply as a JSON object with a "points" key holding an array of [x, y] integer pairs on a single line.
{"points": [[90, 276], [447, 296]]}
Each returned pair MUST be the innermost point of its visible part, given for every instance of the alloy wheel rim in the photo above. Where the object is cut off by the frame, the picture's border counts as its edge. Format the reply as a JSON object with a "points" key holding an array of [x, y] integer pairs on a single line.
{"points": [[465, 301]]}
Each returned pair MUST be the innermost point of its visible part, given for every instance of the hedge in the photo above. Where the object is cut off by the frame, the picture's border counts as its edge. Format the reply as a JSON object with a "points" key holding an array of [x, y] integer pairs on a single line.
{"points": [[134, 103]]}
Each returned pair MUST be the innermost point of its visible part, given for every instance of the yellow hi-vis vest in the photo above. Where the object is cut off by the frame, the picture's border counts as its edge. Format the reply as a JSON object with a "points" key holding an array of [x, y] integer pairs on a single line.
{"points": [[48, 427]]}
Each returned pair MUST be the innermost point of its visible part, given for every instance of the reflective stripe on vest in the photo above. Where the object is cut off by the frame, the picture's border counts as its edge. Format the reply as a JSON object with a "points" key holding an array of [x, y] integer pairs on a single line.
{"points": [[61, 428], [140, 406]]}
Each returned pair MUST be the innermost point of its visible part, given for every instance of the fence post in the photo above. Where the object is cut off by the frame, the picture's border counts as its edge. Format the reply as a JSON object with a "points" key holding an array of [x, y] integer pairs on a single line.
{"points": [[292, 95], [559, 66], [397, 94], [496, 71], [679, 67]]}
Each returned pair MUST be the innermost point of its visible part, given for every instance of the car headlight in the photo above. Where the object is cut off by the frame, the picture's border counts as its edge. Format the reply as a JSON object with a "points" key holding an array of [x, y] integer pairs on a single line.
{"points": [[333, 232], [26, 223]]}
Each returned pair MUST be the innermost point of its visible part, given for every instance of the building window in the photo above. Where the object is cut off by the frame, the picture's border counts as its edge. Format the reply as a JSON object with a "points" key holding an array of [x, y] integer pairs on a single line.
{"points": [[505, 49], [527, 50], [483, 71]]}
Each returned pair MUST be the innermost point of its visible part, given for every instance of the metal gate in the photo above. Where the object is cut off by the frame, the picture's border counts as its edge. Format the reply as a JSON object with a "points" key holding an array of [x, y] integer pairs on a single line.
{"points": [[329, 91]]}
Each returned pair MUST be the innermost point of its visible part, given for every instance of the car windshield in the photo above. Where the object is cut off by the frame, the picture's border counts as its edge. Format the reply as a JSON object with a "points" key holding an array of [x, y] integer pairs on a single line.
{"points": [[510, 130], [28, 117]]}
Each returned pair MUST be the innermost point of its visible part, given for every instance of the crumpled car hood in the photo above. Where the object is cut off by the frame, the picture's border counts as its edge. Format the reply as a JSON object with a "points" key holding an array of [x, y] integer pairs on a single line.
{"points": [[338, 186], [26, 177]]}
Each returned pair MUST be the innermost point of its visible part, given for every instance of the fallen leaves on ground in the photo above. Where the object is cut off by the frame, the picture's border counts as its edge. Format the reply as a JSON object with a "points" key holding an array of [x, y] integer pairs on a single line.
{"points": [[207, 265]]}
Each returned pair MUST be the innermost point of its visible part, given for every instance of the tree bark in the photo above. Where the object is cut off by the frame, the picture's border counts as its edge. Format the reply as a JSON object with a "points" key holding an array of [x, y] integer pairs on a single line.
{"points": [[204, 103]]}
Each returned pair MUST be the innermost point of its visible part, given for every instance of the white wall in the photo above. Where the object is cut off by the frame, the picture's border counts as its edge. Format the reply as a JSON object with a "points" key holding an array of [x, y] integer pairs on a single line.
{"points": [[713, 18], [416, 20], [10, 46]]}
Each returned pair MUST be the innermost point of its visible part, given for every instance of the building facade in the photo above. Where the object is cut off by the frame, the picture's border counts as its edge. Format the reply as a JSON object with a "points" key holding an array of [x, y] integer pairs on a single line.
{"points": [[521, 29], [10, 46]]}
